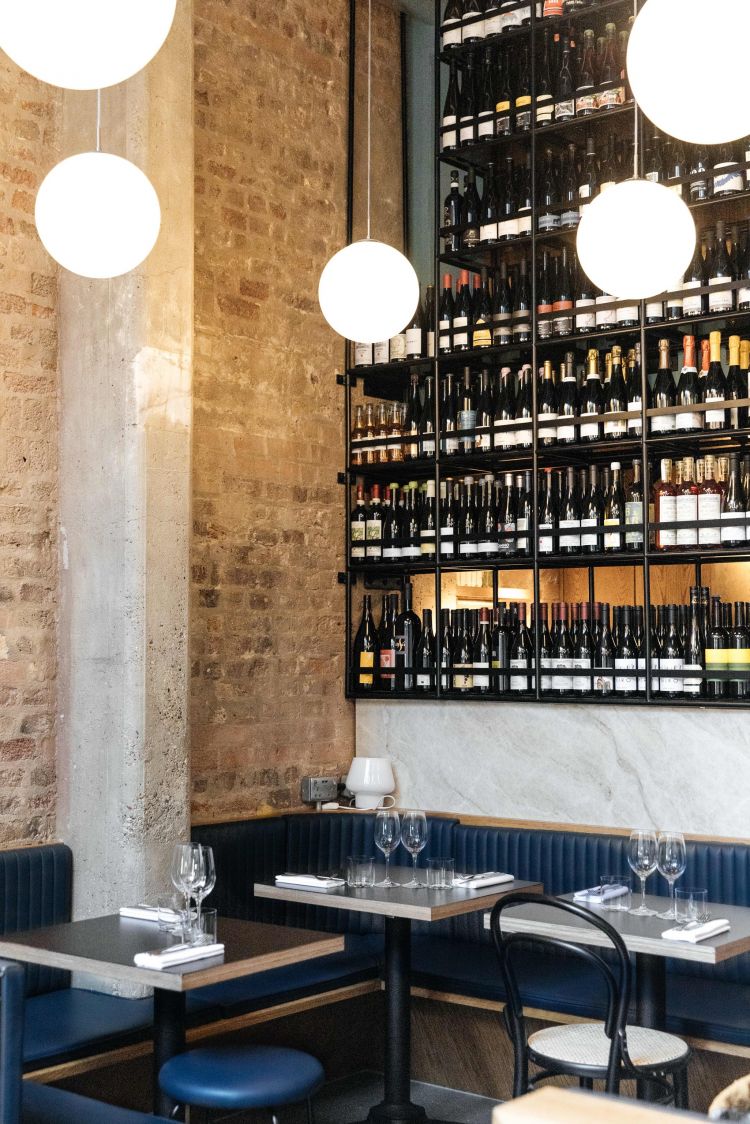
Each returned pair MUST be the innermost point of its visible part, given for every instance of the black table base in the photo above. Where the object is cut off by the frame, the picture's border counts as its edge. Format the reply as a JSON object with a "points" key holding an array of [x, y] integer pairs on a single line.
{"points": [[650, 1006], [169, 1039]]}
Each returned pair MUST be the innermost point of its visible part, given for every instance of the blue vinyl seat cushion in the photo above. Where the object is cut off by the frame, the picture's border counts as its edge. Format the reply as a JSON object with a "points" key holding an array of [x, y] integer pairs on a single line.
{"points": [[234, 1077], [72, 1022], [717, 1010], [43, 1104]]}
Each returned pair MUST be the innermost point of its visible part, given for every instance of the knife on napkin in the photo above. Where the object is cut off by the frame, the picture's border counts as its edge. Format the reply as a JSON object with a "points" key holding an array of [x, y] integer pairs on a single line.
{"points": [[699, 933], [177, 954], [479, 881]]}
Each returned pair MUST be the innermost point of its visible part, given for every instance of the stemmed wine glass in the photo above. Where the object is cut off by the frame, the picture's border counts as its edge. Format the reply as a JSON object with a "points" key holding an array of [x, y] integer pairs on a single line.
{"points": [[642, 857], [387, 836], [205, 886], [671, 861], [414, 839], [188, 871]]}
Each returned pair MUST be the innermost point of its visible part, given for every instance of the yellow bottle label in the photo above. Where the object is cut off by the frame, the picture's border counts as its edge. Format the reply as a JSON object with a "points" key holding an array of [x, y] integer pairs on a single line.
{"points": [[522, 101], [366, 660]]}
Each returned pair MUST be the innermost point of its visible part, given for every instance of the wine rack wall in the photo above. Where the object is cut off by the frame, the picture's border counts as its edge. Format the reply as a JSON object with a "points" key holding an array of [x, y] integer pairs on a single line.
{"points": [[389, 382]]}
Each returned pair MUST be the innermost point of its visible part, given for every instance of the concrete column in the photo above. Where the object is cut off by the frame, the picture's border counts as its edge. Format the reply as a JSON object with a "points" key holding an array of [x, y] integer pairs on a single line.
{"points": [[125, 491]]}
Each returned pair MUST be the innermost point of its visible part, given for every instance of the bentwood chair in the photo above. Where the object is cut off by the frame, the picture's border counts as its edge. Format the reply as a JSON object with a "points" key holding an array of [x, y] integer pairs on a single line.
{"points": [[610, 1051], [25, 1102]]}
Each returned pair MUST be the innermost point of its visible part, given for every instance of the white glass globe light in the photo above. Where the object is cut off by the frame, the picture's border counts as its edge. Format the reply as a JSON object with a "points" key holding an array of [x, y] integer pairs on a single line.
{"points": [[636, 239], [97, 214], [84, 44], [677, 96], [368, 291]]}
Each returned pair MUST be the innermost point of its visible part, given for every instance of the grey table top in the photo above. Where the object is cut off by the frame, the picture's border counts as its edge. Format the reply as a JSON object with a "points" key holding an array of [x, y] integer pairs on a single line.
{"points": [[641, 934], [106, 946], [400, 901]]}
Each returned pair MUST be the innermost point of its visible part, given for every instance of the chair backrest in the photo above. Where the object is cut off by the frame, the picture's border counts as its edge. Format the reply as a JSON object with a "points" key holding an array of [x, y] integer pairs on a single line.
{"points": [[11, 1040], [36, 885], [613, 964]]}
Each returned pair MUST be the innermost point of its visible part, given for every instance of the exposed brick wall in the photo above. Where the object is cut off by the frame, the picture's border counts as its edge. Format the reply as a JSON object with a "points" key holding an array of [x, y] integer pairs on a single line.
{"points": [[28, 465], [267, 625]]}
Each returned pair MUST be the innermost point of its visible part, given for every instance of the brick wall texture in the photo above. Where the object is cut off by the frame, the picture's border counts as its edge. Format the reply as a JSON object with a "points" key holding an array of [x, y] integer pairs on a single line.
{"points": [[267, 614], [28, 465]]}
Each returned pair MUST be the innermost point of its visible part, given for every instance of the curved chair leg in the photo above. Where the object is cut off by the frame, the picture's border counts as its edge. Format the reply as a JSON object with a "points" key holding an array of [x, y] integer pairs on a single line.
{"points": [[681, 1088], [586, 1082]]}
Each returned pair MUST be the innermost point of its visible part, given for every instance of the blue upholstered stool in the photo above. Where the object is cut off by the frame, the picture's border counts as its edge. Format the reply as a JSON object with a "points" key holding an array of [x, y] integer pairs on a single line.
{"points": [[236, 1077]]}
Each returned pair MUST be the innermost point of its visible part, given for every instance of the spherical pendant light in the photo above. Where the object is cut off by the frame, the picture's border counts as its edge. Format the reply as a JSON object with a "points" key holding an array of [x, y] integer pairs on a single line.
{"points": [[368, 291], [636, 240], [702, 99], [84, 44], [97, 214]]}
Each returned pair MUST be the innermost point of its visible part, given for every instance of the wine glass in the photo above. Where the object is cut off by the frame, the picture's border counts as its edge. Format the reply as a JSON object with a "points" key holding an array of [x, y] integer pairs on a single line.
{"points": [[187, 871], [671, 861], [206, 885], [387, 836], [642, 856], [414, 839]]}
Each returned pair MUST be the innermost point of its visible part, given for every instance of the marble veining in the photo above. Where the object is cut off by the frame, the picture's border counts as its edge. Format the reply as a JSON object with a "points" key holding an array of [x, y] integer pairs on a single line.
{"points": [[688, 770]]}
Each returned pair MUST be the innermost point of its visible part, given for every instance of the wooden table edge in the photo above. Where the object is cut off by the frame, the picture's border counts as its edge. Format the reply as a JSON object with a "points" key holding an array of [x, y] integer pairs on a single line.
{"points": [[484, 900], [172, 981]]}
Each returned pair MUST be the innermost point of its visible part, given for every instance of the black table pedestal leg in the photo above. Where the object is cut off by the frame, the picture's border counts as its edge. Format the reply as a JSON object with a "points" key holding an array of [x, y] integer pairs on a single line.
{"points": [[169, 1039], [650, 1005], [397, 1107]]}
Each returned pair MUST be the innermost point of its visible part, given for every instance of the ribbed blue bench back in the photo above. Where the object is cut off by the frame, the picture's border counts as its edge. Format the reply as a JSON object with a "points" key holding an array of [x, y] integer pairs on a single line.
{"points": [[245, 853], [35, 891]]}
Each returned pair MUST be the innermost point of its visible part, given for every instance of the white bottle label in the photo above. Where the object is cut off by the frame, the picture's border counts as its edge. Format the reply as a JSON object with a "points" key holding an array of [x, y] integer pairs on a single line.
{"points": [[585, 321], [522, 524], [519, 682], [423, 680], [381, 352], [667, 514], [615, 428], [566, 433], [604, 684], [450, 445], [635, 422], [655, 680], [547, 680], [670, 685], [449, 139], [451, 33], [720, 302], [641, 678], [545, 541], [663, 423], [397, 347], [460, 331], [709, 507], [391, 552], [589, 539], [466, 132], [686, 508], [524, 224], [743, 296], [486, 126], [627, 313], [504, 436], [467, 548], [570, 540], [634, 514], [414, 341], [735, 532], [692, 306], [688, 421], [623, 681], [430, 344], [481, 680], [562, 682], [692, 686], [654, 310], [589, 430], [362, 354], [507, 229], [727, 182], [545, 429], [612, 539], [716, 416], [488, 232], [605, 316], [581, 683]]}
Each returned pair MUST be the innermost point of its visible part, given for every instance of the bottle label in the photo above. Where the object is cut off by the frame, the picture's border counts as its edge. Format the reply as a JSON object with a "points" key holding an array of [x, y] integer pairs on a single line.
{"points": [[667, 514], [466, 132], [450, 445], [482, 335], [688, 421], [669, 685], [612, 539], [686, 510], [549, 221], [507, 229], [431, 344], [634, 515], [663, 423], [387, 660], [570, 540], [524, 438], [467, 419], [544, 328], [519, 682], [504, 438], [481, 681], [654, 310], [623, 681], [615, 428], [604, 684], [545, 429], [502, 121], [460, 331], [473, 31], [641, 678], [398, 346], [562, 682], [451, 33], [581, 683], [635, 423], [709, 507], [484, 442], [589, 430], [566, 433], [655, 680], [486, 125], [467, 548], [547, 663], [627, 314], [589, 539], [562, 325], [462, 680], [585, 104], [391, 552], [493, 25], [720, 302], [414, 342], [449, 139], [362, 354], [488, 232], [423, 679], [570, 218], [545, 541], [365, 676], [605, 317], [692, 686], [427, 543], [545, 109], [610, 98], [735, 532], [716, 416], [727, 182], [380, 352], [692, 305], [743, 296], [524, 223], [565, 109], [584, 191], [487, 546], [585, 321], [428, 445]]}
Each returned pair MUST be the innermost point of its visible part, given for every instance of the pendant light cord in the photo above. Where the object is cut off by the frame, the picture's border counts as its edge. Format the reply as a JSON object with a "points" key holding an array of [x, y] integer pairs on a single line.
{"points": [[635, 108], [98, 120], [369, 113]]}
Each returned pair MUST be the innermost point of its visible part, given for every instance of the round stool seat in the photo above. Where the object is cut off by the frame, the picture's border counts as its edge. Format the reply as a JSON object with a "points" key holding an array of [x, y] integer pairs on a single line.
{"points": [[241, 1077]]}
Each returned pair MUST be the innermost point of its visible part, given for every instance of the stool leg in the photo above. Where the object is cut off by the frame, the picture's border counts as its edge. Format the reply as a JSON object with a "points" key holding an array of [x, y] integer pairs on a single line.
{"points": [[681, 1093]]}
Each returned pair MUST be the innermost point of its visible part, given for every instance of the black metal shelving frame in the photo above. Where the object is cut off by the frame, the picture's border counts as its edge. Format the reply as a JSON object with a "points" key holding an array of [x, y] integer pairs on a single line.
{"points": [[390, 380]]}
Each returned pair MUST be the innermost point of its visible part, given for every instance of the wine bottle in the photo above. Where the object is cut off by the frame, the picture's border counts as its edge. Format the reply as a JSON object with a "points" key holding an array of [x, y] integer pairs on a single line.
{"points": [[583, 653], [446, 650], [733, 530], [363, 354], [604, 655], [467, 106], [521, 316], [482, 326], [562, 653], [547, 407], [506, 512], [688, 391], [634, 510], [562, 304], [466, 418], [424, 656], [487, 99], [521, 656], [524, 513], [686, 506], [728, 178], [736, 386], [720, 273], [447, 521], [450, 27], [467, 530], [672, 658], [665, 508], [570, 516], [415, 334], [522, 101], [545, 102], [591, 405], [365, 649], [614, 511], [663, 394], [567, 404], [549, 196], [507, 206], [462, 314], [463, 656], [447, 310], [715, 655], [738, 653], [502, 309], [504, 434], [501, 640], [390, 531], [547, 516], [473, 31], [715, 387], [565, 97], [408, 630], [615, 400], [359, 528], [694, 648], [482, 655], [626, 658], [487, 540], [709, 507], [693, 303], [488, 229], [429, 321], [592, 515], [544, 299], [524, 411], [505, 101], [570, 216], [427, 524], [412, 419], [470, 212]]}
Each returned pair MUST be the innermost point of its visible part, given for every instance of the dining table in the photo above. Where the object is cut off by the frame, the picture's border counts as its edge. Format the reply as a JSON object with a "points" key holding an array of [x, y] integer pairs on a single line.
{"points": [[399, 905], [105, 947]]}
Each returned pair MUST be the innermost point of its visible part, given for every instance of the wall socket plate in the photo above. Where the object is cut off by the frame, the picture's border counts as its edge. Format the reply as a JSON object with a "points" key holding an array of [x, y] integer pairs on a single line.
{"points": [[319, 790]]}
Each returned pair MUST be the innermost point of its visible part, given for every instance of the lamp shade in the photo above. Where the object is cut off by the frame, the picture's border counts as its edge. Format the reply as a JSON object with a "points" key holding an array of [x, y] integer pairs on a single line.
{"points": [[370, 779], [635, 240], [97, 214], [368, 291], [678, 98], [84, 44]]}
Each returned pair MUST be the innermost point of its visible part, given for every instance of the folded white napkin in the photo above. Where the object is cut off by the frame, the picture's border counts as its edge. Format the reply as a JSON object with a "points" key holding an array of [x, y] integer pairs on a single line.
{"points": [[177, 954], [319, 882], [699, 933], [596, 895], [145, 912], [479, 881]]}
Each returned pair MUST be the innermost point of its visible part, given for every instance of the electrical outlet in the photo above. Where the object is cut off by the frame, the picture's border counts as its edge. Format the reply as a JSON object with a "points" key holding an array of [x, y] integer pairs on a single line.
{"points": [[318, 790]]}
